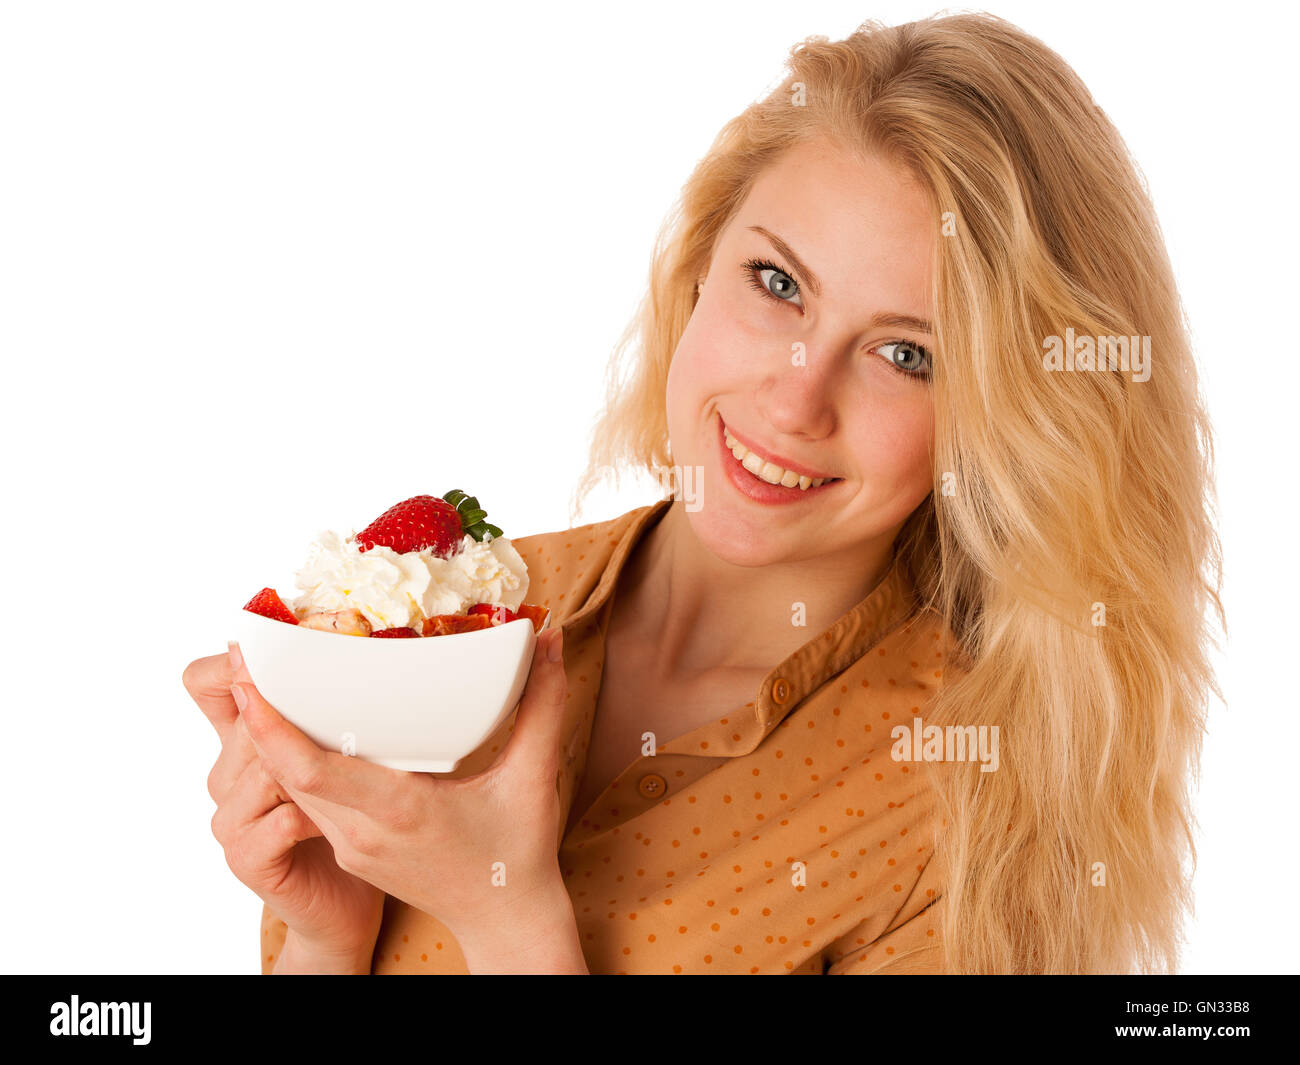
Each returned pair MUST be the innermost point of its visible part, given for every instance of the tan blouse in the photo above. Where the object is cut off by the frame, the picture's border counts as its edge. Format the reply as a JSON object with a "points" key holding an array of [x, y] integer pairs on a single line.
{"points": [[780, 838]]}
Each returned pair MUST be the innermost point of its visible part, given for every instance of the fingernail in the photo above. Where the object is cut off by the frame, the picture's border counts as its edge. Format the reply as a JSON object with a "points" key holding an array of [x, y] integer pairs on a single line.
{"points": [[241, 699], [236, 659], [555, 649]]}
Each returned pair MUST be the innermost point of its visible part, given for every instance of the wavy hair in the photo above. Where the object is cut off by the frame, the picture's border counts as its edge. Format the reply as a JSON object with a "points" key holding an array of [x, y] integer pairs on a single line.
{"points": [[1075, 497]]}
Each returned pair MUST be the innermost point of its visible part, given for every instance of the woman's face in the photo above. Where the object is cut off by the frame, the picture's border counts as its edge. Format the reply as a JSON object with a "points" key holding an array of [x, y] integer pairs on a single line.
{"points": [[791, 347]]}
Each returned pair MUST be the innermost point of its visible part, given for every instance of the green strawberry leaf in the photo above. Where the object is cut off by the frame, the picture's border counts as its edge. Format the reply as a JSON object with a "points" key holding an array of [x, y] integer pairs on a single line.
{"points": [[472, 515]]}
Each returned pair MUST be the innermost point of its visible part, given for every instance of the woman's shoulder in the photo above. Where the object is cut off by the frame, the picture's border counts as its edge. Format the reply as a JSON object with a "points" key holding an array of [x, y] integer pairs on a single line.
{"points": [[593, 538], [567, 565], [925, 634]]}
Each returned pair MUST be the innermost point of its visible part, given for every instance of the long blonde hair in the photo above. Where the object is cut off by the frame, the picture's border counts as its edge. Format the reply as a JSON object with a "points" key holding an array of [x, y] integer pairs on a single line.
{"points": [[1072, 552]]}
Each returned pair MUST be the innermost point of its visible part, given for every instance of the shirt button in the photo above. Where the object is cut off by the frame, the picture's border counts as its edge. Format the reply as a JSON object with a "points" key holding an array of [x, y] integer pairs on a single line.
{"points": [[780, 691], [652, 786]]}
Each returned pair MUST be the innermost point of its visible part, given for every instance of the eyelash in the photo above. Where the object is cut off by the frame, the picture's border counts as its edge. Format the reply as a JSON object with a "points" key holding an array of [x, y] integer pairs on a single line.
{"points": [[754, 266]]}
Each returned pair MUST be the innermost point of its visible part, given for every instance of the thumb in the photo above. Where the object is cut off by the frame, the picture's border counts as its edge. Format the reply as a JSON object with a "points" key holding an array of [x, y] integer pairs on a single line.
{"points": [[539, 721]]}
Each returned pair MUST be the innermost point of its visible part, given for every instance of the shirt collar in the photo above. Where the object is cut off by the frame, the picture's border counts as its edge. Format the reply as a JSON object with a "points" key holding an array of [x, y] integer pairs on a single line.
{"points": [[804, 670]]}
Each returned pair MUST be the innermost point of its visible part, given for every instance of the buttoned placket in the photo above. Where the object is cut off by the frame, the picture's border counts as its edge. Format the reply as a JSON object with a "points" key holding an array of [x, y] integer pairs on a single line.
{"points": [[679, 763]]}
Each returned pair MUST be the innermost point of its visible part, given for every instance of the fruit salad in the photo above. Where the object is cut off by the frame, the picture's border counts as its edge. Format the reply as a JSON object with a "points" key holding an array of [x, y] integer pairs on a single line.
{"points": [[427, 566]]}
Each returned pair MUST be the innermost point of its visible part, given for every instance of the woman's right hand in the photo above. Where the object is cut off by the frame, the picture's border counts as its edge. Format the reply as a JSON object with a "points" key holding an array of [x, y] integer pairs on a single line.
{"points": [[272, 846]]}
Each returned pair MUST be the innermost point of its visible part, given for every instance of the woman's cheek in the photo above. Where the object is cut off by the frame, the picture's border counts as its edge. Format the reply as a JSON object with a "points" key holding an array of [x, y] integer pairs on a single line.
{"points": [[684, 374], [745, 321], [709, 356], [899, 448], [919, 468]]}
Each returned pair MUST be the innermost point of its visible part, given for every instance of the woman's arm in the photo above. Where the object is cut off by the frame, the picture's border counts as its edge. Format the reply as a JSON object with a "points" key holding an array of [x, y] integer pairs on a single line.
{"points": [[541, 939], [301, 958]]}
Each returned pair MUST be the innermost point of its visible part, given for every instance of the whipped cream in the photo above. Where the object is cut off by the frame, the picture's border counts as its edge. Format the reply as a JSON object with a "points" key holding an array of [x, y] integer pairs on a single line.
{"points": [[393, 589]]}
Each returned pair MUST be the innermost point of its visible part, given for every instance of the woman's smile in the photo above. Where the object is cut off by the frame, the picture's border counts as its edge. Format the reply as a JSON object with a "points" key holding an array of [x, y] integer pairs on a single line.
{"points": [[764, 481]]}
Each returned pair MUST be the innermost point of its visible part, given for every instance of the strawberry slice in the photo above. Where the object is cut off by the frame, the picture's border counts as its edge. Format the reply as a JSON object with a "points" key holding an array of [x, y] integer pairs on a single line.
{"points": [[495, 612], [268, 603], [446, 624], [397, 632], [536, 614], [413, 525]]}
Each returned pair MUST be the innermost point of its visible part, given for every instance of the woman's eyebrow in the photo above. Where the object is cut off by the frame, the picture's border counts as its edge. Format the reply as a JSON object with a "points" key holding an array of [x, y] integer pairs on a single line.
{"points": [[902, 321], [881, 318]]}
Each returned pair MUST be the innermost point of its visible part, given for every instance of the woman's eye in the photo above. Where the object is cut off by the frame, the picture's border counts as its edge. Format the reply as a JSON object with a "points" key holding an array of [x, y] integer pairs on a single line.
{"points": [[783, 286], [906, 357], [773, 283]]}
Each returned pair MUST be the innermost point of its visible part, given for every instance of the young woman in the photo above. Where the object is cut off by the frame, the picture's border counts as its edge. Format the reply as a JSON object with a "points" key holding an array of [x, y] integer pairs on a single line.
{"points": [[909, 674]]}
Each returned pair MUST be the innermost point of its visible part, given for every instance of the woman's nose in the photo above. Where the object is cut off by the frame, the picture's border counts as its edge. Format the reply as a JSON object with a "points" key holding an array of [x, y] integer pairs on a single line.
{"points": [[798, 398]]}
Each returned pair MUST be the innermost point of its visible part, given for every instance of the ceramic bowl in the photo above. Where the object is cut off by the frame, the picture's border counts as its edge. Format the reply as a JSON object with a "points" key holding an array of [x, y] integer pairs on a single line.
{"points": [[418, 704]]}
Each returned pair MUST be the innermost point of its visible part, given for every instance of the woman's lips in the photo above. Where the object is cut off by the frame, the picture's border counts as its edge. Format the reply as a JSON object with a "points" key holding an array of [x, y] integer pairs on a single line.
{"points": [[754, 487], [776, 460]]}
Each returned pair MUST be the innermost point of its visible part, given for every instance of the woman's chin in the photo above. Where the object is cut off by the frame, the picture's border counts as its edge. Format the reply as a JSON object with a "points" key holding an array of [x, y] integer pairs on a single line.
{"points": [[741, 542]]}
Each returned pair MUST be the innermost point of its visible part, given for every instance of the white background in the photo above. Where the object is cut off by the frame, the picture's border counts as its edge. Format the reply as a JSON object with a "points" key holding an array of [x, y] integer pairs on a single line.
{"points": [[266, 268]]}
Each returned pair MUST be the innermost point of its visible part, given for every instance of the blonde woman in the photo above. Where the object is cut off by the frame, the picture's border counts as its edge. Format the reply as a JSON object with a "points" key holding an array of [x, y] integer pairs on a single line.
{"points": [[908, 673]]}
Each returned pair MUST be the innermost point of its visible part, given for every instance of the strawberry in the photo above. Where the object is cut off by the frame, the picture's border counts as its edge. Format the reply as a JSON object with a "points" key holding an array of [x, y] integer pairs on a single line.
{"points": [[496, 613], [536, 614], [397, 632], [269, 604], [414, 524]]}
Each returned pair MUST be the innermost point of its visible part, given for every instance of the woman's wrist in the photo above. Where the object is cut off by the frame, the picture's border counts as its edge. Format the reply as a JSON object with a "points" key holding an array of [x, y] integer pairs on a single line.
{"points": [[540, 936], [302, 957]]}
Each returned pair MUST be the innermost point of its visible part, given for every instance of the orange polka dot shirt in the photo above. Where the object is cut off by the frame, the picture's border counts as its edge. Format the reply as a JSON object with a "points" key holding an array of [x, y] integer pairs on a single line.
{"points": [[780, 838]]}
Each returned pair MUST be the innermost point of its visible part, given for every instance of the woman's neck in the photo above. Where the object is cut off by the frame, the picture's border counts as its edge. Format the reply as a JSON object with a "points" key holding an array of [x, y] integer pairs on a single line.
{"points": [[692, 611]]}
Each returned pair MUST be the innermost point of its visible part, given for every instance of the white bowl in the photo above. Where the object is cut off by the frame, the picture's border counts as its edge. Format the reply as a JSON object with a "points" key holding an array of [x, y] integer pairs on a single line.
{"points": [[419, 704]]}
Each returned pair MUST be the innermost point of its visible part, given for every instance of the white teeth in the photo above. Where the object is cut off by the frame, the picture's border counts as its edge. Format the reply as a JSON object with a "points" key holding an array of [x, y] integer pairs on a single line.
{"points": [[770, 471], [752, 463]]}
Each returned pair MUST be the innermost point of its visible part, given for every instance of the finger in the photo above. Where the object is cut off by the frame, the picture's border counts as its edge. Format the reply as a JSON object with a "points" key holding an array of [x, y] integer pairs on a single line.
{"points": [[208, 682], [237, 751], [256, 850], [327, 816], [299, 764], [254, 794], [539, 721], [340, 824]]}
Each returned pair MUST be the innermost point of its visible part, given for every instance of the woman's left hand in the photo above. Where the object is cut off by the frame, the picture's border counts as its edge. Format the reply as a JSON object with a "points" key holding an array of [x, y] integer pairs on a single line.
{"points": [[472, 851]]}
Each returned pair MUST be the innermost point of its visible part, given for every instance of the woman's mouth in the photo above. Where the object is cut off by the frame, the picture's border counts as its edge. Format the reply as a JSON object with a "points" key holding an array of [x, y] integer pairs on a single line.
{"points": [[763, 479]]}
